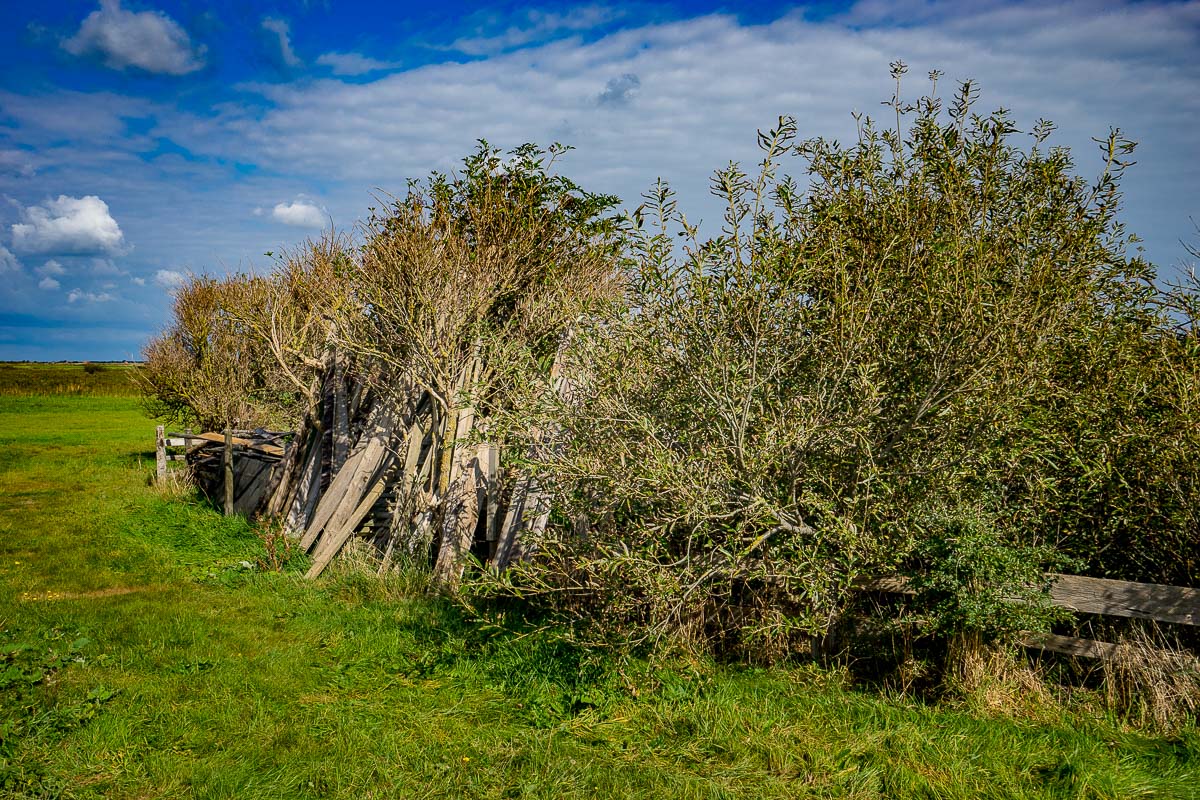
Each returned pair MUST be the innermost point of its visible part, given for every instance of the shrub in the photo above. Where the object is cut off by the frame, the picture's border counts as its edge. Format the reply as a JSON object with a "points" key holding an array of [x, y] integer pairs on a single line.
{"points": [[787, 405]]}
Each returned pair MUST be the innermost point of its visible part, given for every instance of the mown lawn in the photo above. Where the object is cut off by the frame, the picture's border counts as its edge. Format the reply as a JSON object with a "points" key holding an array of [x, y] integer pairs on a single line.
{"points": [[140, 658]]}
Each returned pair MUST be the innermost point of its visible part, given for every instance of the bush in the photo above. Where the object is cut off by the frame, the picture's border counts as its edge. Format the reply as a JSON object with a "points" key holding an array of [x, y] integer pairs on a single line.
{"points": [[940, 320]]}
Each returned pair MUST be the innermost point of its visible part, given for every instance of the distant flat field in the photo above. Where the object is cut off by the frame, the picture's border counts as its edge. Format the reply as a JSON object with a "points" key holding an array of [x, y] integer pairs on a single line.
{"points": [[93, 379], [140, 657]]}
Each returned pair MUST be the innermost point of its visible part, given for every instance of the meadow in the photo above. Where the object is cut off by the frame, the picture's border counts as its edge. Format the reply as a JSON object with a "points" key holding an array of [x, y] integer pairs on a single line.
{"points": [[145, 653]]}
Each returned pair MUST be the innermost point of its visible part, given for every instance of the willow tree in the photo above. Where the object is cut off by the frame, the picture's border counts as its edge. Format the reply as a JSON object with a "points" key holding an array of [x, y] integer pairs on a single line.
{"points": [[876, 369]]}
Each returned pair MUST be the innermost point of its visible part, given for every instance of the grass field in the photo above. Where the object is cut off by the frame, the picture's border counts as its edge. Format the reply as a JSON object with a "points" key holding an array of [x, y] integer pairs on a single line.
{"points": [[24, 379], [140, 658]]}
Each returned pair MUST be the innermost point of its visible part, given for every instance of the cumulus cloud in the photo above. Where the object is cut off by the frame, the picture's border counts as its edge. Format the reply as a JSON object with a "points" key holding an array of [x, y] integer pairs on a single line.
{"points": [[618, 91], [69, 226], [81, 296], [169, 279], [138, 281], [8, 262], [300, 213], [49, 284], [283, 32], [353, 63], [148, 40], [51, 268]]}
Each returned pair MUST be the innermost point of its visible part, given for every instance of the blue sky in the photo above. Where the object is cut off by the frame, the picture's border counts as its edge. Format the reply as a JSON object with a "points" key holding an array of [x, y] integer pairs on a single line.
{"points": [[140, 141]]}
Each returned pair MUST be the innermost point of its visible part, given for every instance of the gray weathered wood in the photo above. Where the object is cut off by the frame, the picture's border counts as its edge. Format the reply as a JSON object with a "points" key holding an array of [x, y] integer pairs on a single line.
{"points": [[342, 498], [1083, 595], [227, 463], [461, 518], [1068, 645], [341, 415], [510, 529], [160, 454], [335, 539], [1177, 604]]}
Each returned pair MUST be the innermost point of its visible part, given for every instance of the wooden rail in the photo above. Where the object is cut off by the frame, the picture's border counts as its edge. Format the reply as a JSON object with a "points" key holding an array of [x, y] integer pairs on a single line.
{"points": [[1179, 605]]}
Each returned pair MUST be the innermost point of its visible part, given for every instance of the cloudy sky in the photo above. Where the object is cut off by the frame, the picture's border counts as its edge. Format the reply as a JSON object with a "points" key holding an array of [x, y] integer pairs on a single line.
{"points": [[143, 139]]}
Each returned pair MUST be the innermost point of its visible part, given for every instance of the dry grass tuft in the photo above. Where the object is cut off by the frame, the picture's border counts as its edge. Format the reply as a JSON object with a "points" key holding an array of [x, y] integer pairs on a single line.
{"points": [[179, 484], [1152, 681]]}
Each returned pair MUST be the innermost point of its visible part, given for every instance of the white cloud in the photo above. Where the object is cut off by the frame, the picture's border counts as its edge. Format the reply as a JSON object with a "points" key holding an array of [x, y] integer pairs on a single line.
{"points": [[49, 284], [169, 279], [8, 262], [707, 83], [300, 213], [50, 268], [138, 281], [283, 31], [69, 225], [353, 63], [533, 25], [78, 295], [148, 40]]}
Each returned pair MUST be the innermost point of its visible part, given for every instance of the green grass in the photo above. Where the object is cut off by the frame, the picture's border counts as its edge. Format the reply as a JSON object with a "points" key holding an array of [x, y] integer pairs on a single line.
{"points": [[23, 379], [138, 658]]}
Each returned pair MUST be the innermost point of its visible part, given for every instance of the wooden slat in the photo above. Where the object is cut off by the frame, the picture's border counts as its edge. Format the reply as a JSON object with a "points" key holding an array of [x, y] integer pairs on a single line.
{"points": [[238, 441], [1083, 595], [354, 480], [1177, 604], [1068, 645], [177, 441]]}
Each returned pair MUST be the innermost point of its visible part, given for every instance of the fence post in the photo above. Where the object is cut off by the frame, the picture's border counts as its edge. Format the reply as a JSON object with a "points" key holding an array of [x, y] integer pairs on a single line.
{"points": [[160, 453], [227, 459]]}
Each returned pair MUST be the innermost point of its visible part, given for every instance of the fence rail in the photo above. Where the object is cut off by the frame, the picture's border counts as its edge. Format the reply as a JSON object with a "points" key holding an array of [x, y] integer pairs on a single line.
{"points": [[1178, 605]]}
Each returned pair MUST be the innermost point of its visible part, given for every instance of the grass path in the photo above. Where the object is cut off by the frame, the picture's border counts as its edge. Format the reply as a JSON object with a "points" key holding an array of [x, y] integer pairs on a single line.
{"points": [[139, 659]]}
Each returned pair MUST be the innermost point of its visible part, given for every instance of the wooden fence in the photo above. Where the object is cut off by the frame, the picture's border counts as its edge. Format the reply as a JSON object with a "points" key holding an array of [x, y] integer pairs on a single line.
{"points": [[1178, 605], [236, 464]]}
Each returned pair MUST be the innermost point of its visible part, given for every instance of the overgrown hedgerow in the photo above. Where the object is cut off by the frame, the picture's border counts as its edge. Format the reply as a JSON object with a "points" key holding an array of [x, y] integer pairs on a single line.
{"points": [[935, 355]]}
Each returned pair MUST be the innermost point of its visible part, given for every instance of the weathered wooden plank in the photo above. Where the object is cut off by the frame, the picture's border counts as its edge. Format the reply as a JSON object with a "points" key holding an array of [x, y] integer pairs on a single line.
{"points": [[460, 521], [1068, 645], [510, 529], [341, 415], [489, 459], [308, 490], [352, 481], [1177, 604], [334, 540], [160, 454], [227, 464], [330, 498], [1104, 596], [238, 441]]}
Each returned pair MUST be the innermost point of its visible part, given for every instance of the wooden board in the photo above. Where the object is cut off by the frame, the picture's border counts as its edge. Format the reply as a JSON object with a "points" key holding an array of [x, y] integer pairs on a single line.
{"points": [[1177, 604], [1068, 645], [238, 441]]}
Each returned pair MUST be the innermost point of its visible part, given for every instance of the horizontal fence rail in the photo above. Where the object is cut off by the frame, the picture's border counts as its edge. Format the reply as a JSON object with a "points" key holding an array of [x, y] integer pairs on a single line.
{"points": [[1179, 605]]}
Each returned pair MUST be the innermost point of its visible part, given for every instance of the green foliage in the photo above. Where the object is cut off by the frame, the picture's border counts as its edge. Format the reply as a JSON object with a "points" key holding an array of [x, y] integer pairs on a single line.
{"points": [[969, 581], [942, 317]]}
